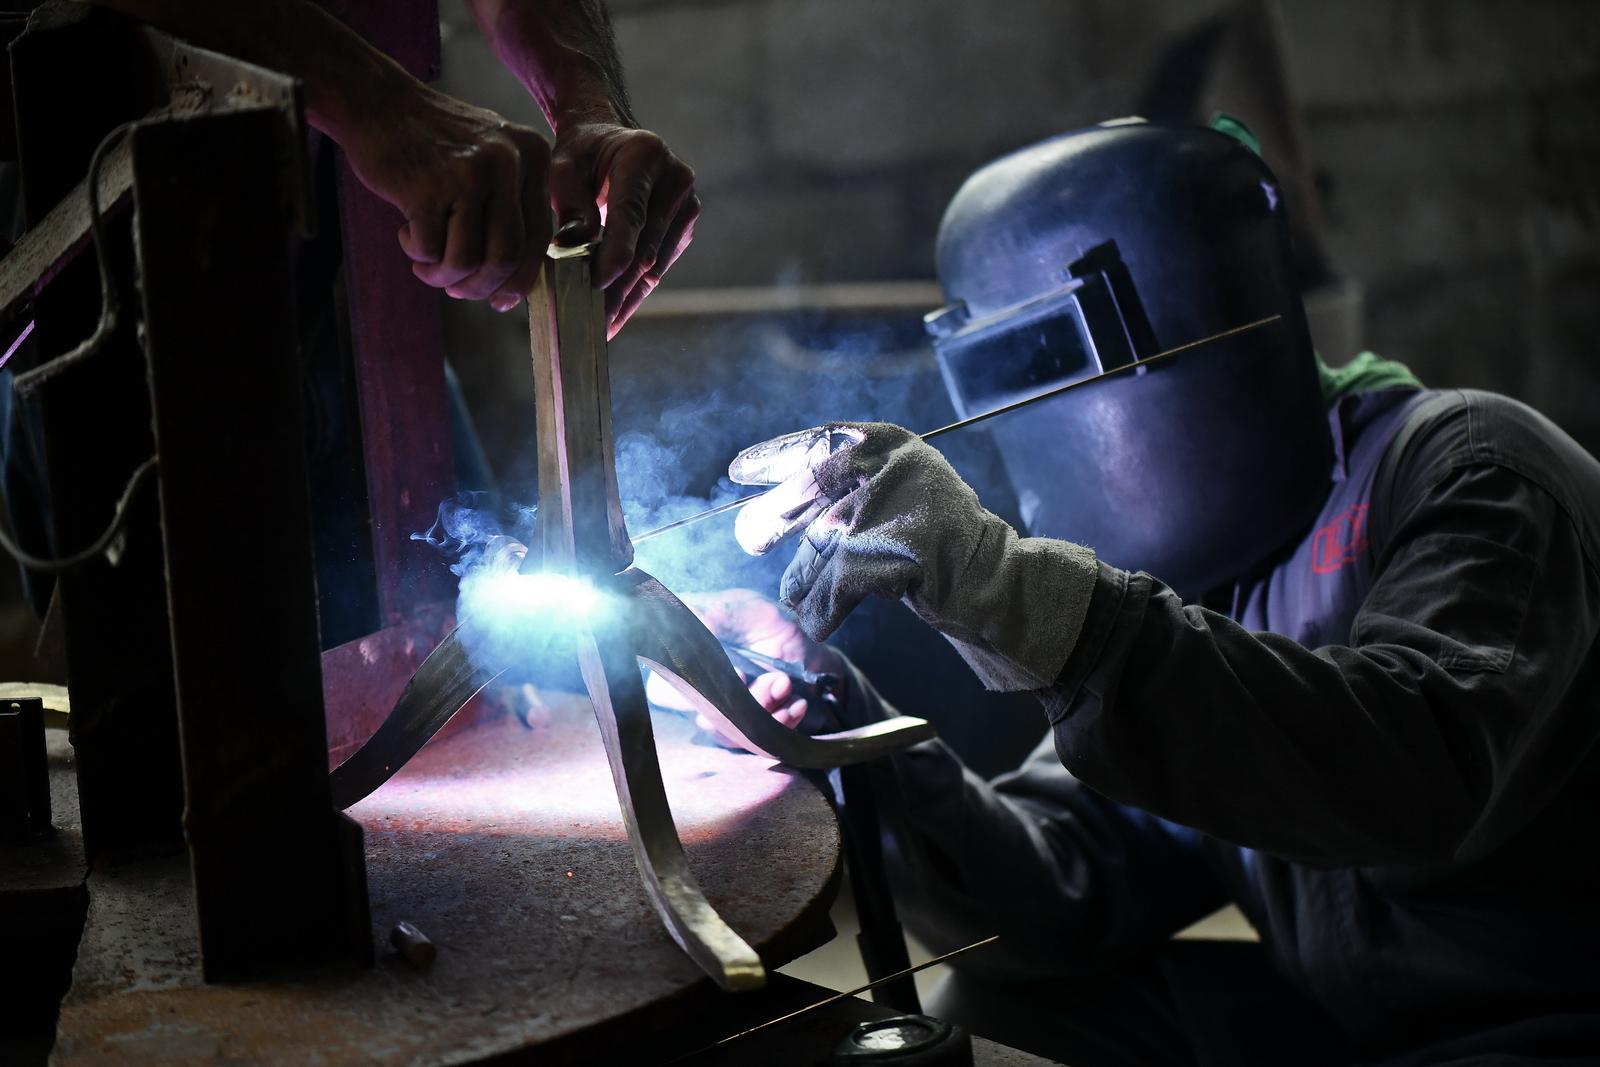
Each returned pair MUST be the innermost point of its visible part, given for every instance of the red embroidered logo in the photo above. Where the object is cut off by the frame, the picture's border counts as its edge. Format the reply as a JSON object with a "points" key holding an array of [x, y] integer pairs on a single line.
{"points": [[1341, 541]]}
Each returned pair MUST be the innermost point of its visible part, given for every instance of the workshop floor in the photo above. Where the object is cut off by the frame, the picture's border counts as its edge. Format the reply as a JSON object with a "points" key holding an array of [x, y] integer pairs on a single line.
{"points": [[837, 965]]}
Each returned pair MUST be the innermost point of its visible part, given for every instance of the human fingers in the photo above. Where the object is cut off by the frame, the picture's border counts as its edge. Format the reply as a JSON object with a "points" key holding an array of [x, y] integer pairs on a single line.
{"points": [[463, 252], [503, 247], [677, 238], [629, 185], [773, 690], [792, 715], [769, 519], [629, 304], [573, 198], [422, 237], [812, 556], [672, 187], [535, 204], [789, 715], [781, 458]]}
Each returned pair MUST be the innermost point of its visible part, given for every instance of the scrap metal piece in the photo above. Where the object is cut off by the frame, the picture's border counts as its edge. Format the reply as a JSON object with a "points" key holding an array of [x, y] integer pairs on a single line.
{"points": [[413, 944], [447, 679], [672, 641]]}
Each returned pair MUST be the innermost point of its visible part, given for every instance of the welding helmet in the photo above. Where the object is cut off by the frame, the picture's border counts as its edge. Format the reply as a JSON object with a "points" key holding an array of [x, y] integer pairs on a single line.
{"points": [[1096, 250]]}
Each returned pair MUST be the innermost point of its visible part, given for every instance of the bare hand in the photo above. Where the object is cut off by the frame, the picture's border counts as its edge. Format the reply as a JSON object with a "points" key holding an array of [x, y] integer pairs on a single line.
{"points": [[471, 186], [743, 617], [650, 207]]}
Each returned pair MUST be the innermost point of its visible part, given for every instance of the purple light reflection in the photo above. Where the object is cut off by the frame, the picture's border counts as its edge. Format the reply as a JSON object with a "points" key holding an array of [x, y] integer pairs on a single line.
{"points": [[506, 780], [21, 337]]}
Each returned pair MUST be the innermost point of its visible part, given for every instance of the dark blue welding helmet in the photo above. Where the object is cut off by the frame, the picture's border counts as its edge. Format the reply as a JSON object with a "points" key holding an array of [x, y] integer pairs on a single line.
{"points": [[1101, 248]]}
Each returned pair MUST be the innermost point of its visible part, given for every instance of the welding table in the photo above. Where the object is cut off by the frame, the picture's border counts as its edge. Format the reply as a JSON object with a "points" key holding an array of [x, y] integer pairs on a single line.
{"points": [[503, 842]]}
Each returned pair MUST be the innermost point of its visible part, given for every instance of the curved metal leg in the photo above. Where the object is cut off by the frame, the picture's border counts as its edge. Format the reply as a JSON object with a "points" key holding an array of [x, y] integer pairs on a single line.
{"points": [[442, 685], [672, 641], [611, 673]]}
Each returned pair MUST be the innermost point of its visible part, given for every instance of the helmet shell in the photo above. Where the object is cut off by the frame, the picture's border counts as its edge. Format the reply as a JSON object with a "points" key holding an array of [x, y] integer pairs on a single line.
{"points": [[1197, 467]]}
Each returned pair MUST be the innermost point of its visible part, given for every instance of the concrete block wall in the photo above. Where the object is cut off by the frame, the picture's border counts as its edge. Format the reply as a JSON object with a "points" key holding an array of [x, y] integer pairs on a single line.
{"points": [[1453, 143]]}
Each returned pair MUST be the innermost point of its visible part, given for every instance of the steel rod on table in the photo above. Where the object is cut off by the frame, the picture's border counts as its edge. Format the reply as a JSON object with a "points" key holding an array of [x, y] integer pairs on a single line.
{"points": [[823, 1003]]}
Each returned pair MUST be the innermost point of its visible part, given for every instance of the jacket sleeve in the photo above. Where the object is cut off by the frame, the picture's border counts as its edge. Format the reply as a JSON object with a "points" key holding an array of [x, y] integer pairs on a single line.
{"points": [[1071, 881], [1442, 728]]}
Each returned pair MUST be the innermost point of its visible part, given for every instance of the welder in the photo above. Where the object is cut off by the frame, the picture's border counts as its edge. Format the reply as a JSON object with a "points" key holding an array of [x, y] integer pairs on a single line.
{"points": [[1319, 643]]}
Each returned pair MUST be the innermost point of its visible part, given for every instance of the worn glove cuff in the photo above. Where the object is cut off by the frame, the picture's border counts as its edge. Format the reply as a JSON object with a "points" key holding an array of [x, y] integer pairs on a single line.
{"points": [[1019, 608]]}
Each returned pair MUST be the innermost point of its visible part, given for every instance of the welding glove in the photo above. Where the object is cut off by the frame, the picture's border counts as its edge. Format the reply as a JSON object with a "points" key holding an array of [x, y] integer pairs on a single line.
{"points": [[884, 513]]}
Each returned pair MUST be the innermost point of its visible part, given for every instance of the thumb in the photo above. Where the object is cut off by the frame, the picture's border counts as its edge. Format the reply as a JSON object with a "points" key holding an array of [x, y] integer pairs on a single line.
{"points": [[572, 197]]}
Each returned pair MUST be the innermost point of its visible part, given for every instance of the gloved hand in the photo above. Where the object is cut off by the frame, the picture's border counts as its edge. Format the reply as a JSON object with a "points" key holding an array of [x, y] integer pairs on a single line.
{"points": [[742, 617], [884, 513]]}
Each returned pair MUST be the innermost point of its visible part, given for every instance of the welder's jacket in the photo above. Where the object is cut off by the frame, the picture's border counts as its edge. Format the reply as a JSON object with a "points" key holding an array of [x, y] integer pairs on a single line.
{"points": [[1384, 749]]}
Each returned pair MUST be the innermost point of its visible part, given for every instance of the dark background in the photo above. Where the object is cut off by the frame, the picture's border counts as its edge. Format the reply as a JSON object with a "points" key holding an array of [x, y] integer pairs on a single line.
{"points": [[1443, 157]]}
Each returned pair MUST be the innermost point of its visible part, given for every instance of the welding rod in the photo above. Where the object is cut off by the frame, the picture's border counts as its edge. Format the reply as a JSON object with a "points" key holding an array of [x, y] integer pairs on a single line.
{"points": [[1001, 410], [835, 999]]}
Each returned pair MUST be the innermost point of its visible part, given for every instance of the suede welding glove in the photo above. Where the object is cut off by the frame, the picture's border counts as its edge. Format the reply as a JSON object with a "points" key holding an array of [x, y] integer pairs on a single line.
{"points": [[883, 513]]}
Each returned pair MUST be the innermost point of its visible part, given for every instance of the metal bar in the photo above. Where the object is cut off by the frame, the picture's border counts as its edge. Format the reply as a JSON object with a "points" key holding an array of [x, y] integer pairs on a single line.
{"points": [[881, 940], [442, 685], [611, 674], [672, 641], [279, 881], [222, 83], [41, 252], [581, 530], [580, 511]]}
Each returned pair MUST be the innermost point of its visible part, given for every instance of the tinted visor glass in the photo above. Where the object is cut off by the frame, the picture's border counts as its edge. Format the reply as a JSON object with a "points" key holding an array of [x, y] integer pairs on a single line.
{"points": [[989, 364]]}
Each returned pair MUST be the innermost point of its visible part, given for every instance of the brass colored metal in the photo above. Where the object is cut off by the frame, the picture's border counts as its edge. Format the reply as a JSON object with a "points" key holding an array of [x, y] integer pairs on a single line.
{"points": [[413, 944], [582, 531]]}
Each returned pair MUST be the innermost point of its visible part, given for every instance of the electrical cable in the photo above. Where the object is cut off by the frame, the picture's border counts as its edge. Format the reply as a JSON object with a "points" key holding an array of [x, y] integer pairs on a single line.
{"points": [[98, 548], [29, 381]]}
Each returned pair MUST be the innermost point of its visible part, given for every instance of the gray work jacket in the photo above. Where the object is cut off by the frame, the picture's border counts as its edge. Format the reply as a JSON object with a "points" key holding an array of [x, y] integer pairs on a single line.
{"points": [[1384, 749]]}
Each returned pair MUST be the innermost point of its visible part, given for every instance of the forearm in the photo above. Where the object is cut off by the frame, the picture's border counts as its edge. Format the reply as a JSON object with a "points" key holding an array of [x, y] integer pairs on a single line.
{"points": [[346, 80], [564, 52], [1430, 738], [1072, 882]]}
